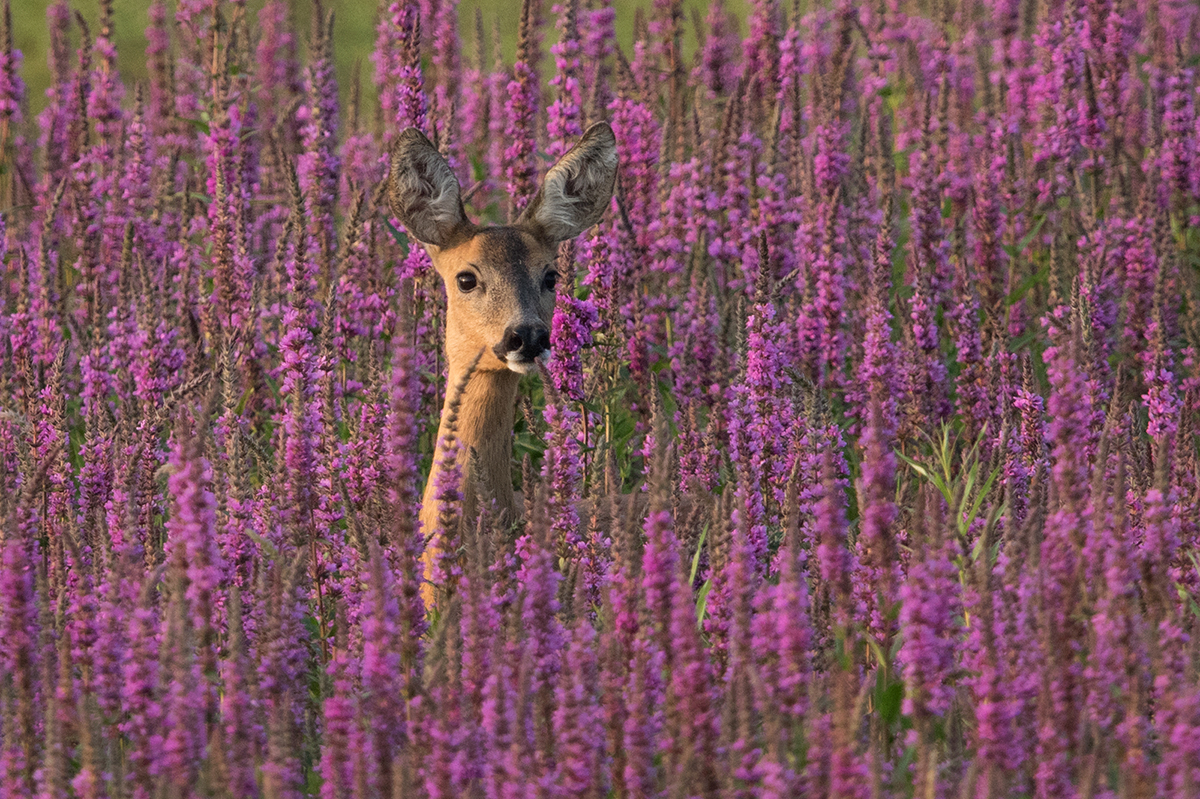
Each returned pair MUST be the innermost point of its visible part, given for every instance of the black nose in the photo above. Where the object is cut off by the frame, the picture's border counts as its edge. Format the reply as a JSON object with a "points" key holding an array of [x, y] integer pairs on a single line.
{"points": [[527, 341]]}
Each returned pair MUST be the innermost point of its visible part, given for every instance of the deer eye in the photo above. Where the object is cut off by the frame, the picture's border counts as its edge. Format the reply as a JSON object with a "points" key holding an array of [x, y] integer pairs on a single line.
{"points": [[466, 281], [550, 281]]}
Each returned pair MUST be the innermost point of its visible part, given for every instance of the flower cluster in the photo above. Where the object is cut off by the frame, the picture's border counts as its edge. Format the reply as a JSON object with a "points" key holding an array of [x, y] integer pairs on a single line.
{"points": [[866, 464]]}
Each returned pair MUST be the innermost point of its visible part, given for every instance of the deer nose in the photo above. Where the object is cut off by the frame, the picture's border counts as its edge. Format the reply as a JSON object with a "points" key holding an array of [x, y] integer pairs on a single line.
{"points": [[527, 341]]}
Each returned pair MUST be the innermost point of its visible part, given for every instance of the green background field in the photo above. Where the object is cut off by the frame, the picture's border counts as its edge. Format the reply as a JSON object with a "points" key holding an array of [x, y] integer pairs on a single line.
{"points": [[354, 33]]}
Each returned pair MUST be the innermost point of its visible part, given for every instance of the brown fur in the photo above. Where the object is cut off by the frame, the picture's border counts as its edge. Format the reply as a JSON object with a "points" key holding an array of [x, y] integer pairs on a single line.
{"points": [[510, 265]]}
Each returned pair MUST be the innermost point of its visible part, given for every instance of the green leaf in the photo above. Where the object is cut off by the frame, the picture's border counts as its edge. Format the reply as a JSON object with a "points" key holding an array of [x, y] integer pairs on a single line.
{"points": [[1028, 238], [397, 234], [199, 124], [696, 557], [702, 601], [313, 626], [241, 406], [1038, 277], [916, 467], [979, 497], [890, 699]]}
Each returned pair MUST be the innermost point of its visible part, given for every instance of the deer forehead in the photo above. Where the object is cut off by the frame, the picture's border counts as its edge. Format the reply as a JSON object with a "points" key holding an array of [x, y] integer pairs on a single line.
{"points": [[509, 261]]}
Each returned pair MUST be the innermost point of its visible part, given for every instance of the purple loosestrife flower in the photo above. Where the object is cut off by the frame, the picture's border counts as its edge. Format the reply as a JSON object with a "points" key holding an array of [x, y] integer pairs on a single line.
{"points": [[734, 239], [565, 114], [768, 414], [538, 599], [563, 473], [12, 87], [1072, 432], [406, 541], [877, 578], [299, 384], [278, 69], [107, 91], [692, 719], [195, 574], [473, 117], [760, 66], [1140, 270], [597, 45], [397, 58], [158, 48], [988, 224], [1161, 397], [578, 727], [975, 406], [659, 565], [141, 698], [1178, 721], [605, 261], [820, 240], [188, 77], [698, 458], [747, 451], [382, 670], [782, 642], [521, 114], [837, 755], [1056, 92], [1118, 664], [1175, 159], [282, 653], [929, 276], [930, 602], [59, 122], [717, 67], [642, 717], [571, 332], [318, 166], [835, 563], [495, 86], [639, 141], [19, 660], [448, 87], [620, 628], [12, 99], [987, 682], [501, 733], [117, 594], [232, 273], [239, 707], [339, 716]]}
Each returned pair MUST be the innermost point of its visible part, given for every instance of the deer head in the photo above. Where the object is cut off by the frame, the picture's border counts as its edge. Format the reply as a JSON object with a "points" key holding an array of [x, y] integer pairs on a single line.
{"points": [[500, 281]]}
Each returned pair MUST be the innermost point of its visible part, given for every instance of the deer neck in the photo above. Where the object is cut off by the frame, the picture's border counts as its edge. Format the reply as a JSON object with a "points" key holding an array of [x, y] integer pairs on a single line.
{"points": [[485, 424]]}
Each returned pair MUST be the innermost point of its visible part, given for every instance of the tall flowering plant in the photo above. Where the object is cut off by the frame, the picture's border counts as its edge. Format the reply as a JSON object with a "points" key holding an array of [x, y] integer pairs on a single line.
{"points": [[865, 464]]}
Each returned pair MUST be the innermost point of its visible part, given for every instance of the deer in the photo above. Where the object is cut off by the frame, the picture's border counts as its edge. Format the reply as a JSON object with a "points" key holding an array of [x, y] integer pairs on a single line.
{"points": [[501, 288]]}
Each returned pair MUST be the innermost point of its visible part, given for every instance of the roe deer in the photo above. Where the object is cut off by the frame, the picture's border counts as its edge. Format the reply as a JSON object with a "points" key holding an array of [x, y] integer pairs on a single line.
{"points": [[500, 294]]}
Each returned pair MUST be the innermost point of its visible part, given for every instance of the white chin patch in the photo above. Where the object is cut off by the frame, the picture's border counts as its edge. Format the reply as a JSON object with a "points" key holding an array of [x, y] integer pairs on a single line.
{"points": [[524, 367], [520, 365]]}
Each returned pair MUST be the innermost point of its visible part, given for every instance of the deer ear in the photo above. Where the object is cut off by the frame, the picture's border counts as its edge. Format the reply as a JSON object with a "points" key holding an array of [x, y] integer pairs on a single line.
{"points": [[423, 192], [577, 189]]}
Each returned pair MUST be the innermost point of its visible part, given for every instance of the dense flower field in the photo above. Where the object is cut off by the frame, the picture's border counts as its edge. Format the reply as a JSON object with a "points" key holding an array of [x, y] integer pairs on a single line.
{"points": [[866, 464]]}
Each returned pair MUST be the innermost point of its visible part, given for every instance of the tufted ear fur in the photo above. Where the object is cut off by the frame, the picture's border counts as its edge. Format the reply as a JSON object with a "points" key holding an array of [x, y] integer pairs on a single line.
{"points": [[424, 193], [577, 189]]}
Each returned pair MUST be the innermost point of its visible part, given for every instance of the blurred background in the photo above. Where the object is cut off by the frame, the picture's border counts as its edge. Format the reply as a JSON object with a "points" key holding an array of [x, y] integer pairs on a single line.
{"points": [[354, 34]]}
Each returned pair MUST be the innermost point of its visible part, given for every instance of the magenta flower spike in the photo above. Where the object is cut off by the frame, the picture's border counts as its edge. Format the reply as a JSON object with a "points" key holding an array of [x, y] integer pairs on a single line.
{"points": [[864, 464], [19, 658], [565, 114], [522, 105], [319, 166]]}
